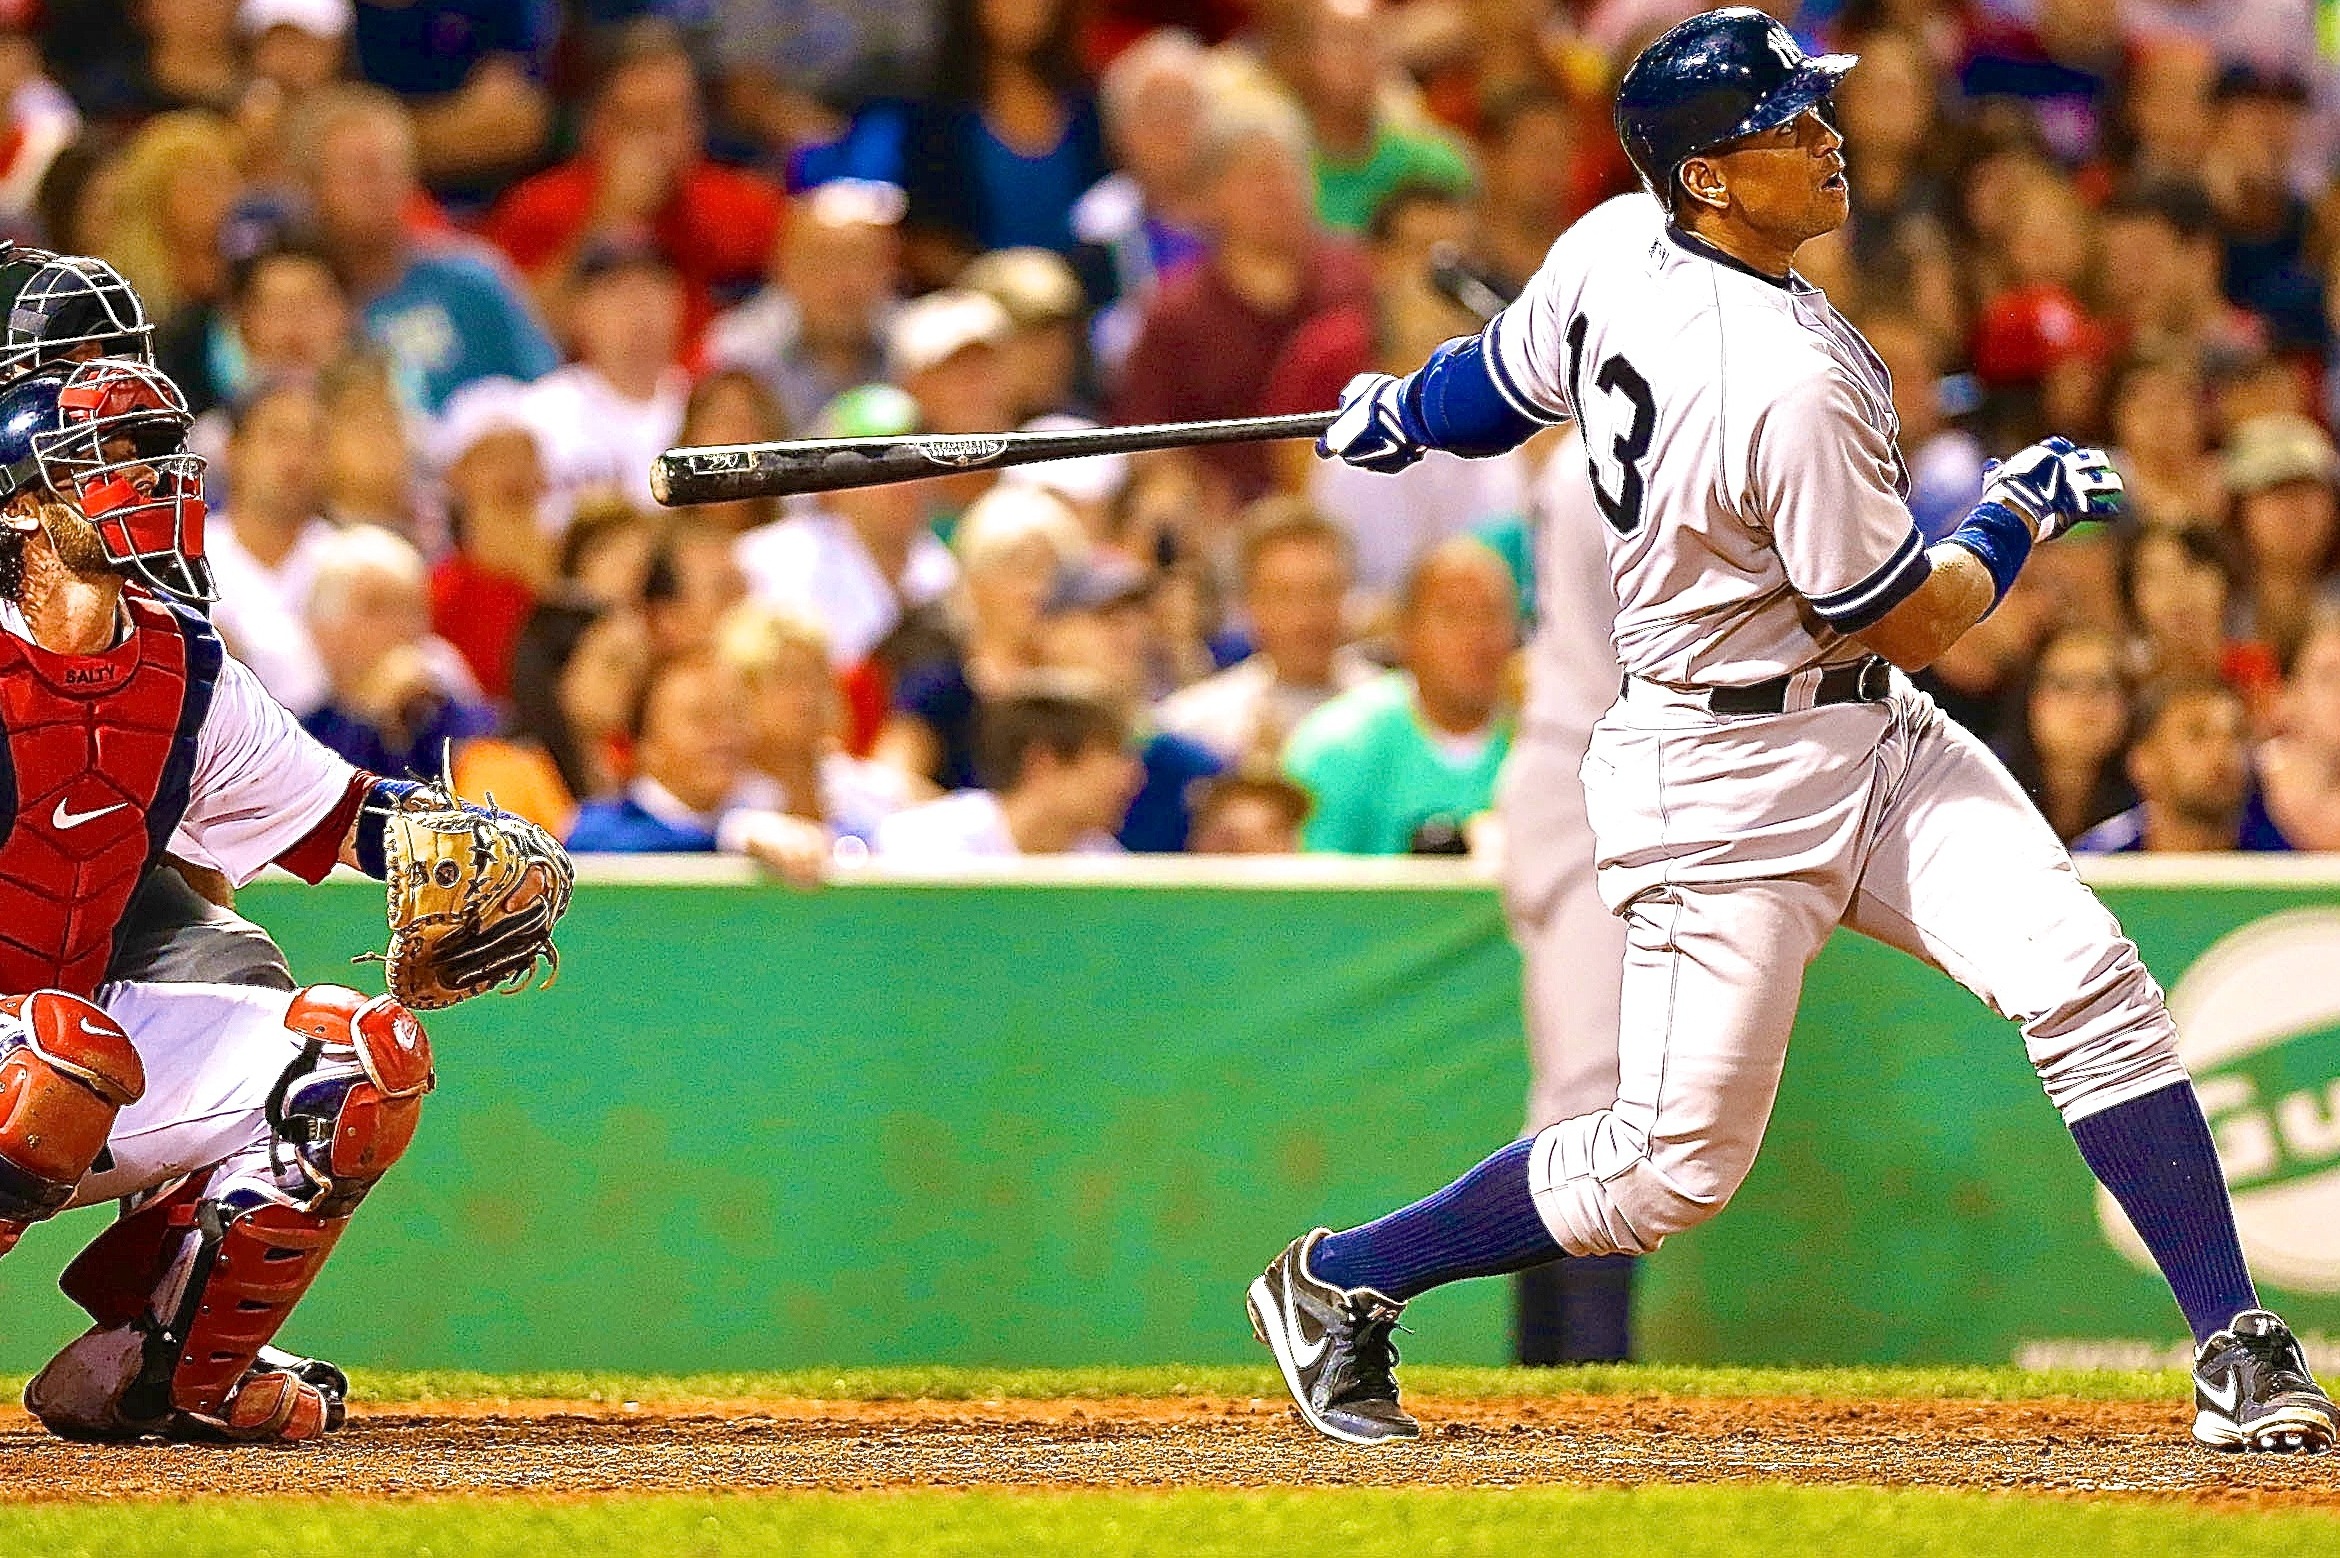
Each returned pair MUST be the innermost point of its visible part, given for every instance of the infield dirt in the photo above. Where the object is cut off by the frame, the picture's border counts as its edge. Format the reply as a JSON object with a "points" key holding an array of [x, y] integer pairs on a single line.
{"points": [[711, 1446]]}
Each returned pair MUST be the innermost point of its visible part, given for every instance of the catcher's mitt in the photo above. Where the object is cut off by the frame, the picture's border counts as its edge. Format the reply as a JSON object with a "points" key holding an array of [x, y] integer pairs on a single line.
{"points": [[474, 895]]}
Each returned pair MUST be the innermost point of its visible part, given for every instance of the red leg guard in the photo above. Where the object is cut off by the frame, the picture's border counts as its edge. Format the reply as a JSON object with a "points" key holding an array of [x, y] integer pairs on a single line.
{"points": [[347, 1121], [206, 1275], [66, 1069], [263, 1262]]}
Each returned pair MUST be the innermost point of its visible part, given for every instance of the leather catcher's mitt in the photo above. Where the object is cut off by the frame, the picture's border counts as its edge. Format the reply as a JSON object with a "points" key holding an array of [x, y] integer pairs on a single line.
{"points": [[474, 895]]}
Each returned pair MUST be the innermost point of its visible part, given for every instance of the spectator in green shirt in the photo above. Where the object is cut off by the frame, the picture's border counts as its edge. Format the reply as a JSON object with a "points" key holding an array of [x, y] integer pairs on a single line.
{"points": [[1402, 764], [1363, 151]]}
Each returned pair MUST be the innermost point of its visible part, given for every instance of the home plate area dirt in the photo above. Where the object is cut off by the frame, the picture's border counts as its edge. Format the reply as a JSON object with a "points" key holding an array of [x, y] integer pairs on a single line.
{"points": [[558, 1447]]}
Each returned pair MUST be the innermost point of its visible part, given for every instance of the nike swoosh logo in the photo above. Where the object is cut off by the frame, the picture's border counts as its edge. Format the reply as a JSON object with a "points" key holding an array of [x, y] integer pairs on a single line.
{"points": [[2225, 1398], [94, 1030], [62, 820], [1303, 1356]]}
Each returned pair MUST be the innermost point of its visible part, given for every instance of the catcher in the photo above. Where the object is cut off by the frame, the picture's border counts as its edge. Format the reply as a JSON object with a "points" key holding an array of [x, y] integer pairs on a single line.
{"points": [[238, 1125]]}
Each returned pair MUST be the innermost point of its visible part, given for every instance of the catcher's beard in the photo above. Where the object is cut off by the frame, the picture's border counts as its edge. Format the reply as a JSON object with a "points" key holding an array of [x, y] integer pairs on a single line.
{"points": [[46, 538], [75, 541]]}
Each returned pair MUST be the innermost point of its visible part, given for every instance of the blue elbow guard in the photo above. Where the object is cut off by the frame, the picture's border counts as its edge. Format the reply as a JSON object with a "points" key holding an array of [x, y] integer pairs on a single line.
{"points": [[1997, 535], [1452, 403]]}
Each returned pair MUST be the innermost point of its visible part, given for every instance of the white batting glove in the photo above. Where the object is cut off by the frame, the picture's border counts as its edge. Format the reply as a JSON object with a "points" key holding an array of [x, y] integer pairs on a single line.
{"points": [[2055, 485], [1371, 432]]}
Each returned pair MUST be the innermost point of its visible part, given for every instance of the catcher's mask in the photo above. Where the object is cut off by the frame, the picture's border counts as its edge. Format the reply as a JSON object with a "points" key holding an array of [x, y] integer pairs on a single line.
{"points": [[110, 437], [69, 308]]}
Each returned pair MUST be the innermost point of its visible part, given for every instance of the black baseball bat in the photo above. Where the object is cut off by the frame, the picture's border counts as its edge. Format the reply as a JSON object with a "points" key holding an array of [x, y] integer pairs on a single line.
{"points": [[726, 473]]}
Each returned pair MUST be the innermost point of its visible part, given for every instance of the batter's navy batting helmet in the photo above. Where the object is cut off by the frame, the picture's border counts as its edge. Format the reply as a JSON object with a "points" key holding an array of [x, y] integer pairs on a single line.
{"points": [[1716, 77]]}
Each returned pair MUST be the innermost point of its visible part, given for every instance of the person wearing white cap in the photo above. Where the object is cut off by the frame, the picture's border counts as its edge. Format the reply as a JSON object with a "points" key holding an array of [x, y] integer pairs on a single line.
{"points": [[490, 460], [296, 45], [949, 350], [1044, 306], [1091, 483], [2281, 469]]}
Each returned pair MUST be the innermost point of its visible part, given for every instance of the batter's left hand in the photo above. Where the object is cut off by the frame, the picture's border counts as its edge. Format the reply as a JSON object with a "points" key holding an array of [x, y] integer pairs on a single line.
{"points": [[2055, 485], [1371, 432]]}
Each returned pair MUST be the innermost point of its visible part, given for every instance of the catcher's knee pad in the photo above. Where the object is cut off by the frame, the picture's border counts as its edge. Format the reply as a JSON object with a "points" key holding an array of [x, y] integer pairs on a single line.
{"points": [[350, 1112], [207, 1274], [66, 1069]]}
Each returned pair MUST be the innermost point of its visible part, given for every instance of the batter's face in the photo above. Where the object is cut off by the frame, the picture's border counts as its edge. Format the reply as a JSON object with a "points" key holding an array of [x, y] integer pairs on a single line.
{"points": [[1785, 184]]}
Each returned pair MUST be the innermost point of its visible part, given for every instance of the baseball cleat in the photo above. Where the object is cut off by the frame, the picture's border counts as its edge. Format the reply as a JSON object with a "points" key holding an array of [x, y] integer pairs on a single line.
{"points": [[328, 1381], [1333, 1346], [2253, 1391]]}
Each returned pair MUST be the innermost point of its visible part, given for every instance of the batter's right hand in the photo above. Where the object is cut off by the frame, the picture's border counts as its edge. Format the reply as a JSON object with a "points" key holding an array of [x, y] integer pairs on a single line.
{"points": [[2055, 485], [1371, 432]]}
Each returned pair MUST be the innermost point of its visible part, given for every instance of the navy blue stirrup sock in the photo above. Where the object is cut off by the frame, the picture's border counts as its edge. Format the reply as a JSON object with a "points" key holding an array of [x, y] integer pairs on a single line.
{"points": [[1482, 1225], [2155, 1155]]}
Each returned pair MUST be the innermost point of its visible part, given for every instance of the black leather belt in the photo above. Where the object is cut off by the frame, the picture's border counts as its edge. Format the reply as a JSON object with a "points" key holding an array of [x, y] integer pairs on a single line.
{"points": [[1861, 681]]}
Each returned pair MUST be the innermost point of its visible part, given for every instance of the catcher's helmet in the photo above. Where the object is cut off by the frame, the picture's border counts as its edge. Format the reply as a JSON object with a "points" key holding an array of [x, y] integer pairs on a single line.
{"points": [[110, 436], [1716, 77], [66, 308]]}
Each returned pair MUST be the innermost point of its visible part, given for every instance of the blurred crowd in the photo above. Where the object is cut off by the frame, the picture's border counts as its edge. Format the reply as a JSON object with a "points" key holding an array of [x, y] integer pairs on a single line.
{"points": [[441, 277]]}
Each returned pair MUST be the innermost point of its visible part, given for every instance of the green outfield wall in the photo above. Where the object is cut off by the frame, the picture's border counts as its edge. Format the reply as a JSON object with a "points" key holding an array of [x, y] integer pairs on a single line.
{"points": [[1066, 1121]]}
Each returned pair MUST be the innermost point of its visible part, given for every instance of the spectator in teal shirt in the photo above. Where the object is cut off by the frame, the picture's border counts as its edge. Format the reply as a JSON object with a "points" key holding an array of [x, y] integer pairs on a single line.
{"points": [[447, 311], [1401, 764], [1364, 154]]}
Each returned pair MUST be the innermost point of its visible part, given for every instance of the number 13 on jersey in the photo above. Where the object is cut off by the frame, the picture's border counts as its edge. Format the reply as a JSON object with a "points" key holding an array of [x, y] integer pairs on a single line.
{"points": [[1617, 425]]}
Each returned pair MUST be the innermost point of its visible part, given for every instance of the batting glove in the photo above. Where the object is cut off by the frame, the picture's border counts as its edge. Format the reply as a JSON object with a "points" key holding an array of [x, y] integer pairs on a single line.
{"points": [[1371, 431], [2055, 485]]}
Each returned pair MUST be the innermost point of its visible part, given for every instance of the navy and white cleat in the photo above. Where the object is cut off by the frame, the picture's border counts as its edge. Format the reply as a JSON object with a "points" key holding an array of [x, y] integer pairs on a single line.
{"points": [[1334, 1348], [2253, 1391]]}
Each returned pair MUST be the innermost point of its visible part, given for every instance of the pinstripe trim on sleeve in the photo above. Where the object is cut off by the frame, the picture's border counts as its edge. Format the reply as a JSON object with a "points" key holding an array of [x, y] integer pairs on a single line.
{"points": [[1858, 606], [1507, 386]]}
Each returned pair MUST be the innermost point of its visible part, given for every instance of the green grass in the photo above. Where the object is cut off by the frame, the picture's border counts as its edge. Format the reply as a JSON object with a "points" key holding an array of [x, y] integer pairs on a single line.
{"points": [[979, 1384], [1712, 1522]]}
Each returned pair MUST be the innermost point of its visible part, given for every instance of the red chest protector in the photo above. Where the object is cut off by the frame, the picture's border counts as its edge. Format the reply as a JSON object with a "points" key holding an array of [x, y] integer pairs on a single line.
{"points": [[97, 756]]}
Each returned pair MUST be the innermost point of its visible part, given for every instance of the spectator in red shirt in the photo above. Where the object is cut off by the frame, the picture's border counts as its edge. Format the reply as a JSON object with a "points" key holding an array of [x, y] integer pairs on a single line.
{"points": [[642, 173], [1213, 333]]}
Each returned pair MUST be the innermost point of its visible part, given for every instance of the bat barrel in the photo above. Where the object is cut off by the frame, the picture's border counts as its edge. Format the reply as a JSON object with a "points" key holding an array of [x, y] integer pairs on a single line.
{"points": [[722, 473]]}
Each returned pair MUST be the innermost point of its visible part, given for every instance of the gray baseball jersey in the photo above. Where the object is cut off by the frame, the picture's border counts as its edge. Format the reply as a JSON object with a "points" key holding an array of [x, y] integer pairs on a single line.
{"points": [[1741, 443]]}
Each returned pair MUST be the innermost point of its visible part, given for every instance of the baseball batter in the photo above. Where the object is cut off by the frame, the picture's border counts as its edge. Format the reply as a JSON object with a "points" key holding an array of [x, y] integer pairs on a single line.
{"points": [[239, 1126], [1768, 772]]}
